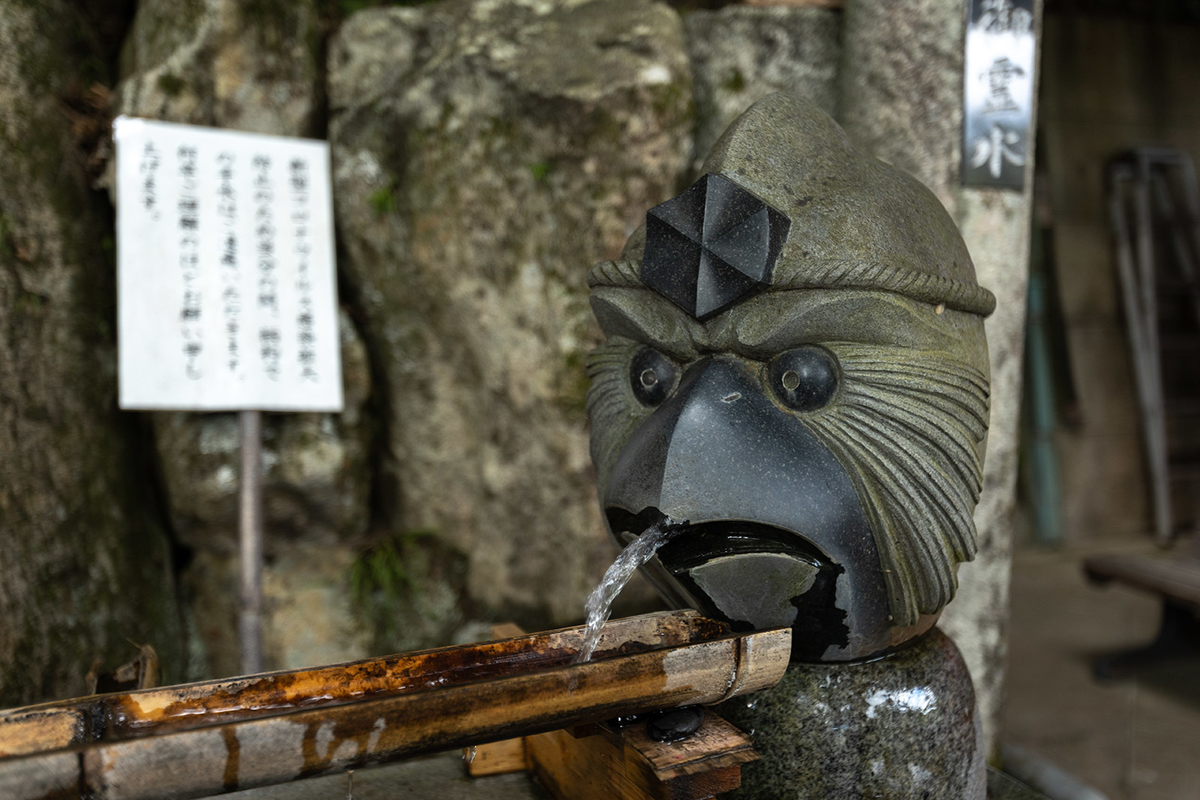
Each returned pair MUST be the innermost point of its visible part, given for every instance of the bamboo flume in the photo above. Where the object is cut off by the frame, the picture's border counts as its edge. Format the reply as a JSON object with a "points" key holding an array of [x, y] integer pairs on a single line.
{"points": [[208, 738]]}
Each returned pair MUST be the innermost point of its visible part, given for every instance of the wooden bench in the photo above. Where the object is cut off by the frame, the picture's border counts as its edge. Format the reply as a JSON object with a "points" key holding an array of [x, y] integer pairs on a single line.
{"points": [[1174, 578]]}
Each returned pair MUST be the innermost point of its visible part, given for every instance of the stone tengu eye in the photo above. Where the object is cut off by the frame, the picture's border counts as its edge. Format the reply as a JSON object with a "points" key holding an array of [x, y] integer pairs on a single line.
{"points": [[652, 376], [804, 379]]}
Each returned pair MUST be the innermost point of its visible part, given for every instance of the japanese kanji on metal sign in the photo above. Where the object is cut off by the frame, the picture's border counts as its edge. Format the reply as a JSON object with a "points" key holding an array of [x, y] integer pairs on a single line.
{"points": [[998, 92]]}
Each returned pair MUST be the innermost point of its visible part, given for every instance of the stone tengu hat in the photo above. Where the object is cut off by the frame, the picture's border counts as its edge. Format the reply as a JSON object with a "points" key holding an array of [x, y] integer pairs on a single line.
{"points": [[817, 213]]}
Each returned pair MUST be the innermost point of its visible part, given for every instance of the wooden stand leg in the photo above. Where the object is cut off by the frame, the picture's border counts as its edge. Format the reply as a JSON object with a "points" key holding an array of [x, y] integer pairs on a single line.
{"points": [[602, 762]]}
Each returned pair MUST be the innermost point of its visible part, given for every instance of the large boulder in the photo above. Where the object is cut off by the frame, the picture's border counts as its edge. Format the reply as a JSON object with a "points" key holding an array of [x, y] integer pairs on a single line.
{"points": [[485, 155], [308, 613], [85, 566]]}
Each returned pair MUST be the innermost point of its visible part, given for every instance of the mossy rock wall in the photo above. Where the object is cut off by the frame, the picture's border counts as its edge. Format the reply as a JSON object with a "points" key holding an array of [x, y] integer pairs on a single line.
{"points": [[485, 155], [85, 568]]}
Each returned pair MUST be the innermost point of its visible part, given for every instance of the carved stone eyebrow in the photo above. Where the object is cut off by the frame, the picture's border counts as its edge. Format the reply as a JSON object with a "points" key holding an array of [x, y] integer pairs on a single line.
{"points": [[775, 322], [645, 316]]}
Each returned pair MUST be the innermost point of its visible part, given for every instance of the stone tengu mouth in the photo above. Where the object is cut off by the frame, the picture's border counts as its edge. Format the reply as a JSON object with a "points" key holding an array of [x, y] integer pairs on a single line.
{"points": [[751, 575]]}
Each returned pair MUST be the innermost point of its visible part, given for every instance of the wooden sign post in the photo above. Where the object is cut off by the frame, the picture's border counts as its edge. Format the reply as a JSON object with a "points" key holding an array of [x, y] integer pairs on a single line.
{"points": [[250, 540], [227, 298]]}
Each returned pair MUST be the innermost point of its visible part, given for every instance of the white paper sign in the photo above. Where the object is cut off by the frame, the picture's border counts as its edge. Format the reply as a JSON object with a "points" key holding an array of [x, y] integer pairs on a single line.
{"points": [[225, 270]]}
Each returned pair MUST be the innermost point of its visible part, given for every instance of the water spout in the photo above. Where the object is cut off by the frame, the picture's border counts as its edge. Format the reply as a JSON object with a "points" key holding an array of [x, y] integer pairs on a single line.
{"points": [[637, 553]]}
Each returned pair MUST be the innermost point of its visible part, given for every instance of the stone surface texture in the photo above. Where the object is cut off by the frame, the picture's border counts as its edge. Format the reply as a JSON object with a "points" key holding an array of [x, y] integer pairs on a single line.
{"points": [[84, 560], [741, 54], [316, 468], [245, 64], [485, 155], [900, 98], [308, 614], [316, 487], [901, 726]]}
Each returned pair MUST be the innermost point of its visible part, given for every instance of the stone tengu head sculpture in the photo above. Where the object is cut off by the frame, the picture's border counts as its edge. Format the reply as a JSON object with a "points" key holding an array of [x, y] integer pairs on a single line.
{"points": [[795, 364]]}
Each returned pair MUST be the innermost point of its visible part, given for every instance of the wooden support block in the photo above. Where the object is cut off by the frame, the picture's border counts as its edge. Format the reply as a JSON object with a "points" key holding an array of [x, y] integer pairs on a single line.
{"points": [[717, 746], [595, 760], [627, 764], [496, 758]]}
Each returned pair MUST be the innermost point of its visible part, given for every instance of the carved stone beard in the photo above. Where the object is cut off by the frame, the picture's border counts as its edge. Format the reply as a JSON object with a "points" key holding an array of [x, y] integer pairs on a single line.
{"points": [[907, 428]]}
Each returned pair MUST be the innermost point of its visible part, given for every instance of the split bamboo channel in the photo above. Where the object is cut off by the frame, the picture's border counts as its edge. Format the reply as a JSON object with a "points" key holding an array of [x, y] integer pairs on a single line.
{"points": [[203, 739]]}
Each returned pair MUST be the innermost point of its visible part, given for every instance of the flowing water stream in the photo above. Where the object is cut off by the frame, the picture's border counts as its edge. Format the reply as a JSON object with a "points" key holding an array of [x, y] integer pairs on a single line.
{"points": [[638, 552], [599, 603]]}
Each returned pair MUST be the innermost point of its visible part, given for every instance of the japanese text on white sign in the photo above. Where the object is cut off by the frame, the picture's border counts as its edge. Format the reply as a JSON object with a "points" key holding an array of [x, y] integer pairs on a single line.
{"points": [[227, 295]]}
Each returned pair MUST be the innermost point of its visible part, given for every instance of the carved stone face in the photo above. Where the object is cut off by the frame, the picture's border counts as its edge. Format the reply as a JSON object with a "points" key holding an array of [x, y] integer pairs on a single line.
{"points": [[795, 364]]}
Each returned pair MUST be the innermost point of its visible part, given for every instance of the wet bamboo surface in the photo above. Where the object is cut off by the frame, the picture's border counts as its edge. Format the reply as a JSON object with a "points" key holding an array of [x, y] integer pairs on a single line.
{"points": [[208, 738]]}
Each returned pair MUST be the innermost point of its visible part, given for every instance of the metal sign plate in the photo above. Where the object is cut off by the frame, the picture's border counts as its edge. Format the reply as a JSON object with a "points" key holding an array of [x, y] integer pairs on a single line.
{"points": [[998, 92]]}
